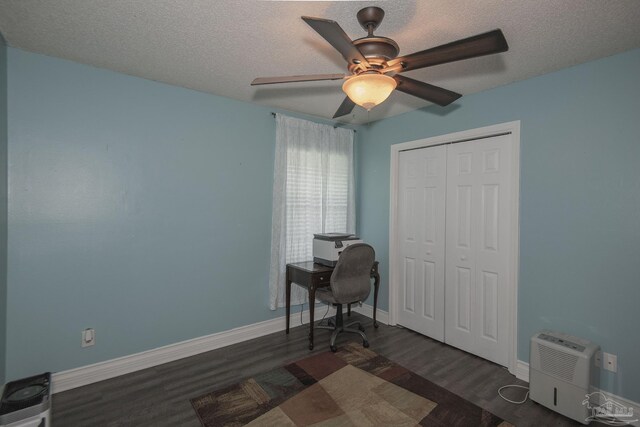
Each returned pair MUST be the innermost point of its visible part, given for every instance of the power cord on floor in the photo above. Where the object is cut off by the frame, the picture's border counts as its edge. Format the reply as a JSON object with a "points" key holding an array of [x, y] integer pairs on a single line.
{"points": [[526, 396], [325, 313], [301, 310]]}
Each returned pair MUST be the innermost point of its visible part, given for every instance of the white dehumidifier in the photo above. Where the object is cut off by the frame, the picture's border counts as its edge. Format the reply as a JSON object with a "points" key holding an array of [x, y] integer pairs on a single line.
{"points": [[562, 371], [27, 402]]}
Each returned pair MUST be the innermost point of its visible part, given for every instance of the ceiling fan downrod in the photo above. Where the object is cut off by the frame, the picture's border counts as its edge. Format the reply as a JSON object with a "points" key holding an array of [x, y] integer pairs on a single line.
{"points": [[370, 18]]}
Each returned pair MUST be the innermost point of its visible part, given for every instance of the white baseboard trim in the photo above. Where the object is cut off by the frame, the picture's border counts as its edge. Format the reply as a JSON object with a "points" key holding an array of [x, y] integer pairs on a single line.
{"points": [[84, 375], [100, 371], [367, 310], [522, 373]]}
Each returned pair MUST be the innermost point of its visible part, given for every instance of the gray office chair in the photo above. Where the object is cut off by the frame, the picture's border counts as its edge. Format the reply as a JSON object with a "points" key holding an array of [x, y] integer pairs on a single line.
{"points": [[350, 283]]}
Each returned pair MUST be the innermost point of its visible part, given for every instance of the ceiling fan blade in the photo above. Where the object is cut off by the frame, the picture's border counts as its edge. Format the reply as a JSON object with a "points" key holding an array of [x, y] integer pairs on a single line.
{"points": [[291, 79], [471, 47], [345, 108], [335, 35], [423, 90]]}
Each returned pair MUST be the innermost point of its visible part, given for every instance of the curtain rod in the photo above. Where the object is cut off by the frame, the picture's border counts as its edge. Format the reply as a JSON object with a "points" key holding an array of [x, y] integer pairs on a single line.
{"points": [[334, 126]]}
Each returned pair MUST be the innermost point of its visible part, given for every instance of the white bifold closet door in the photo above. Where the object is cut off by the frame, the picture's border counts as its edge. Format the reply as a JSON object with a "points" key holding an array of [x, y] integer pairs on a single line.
{"points": [[454, 244], [422, 185]]}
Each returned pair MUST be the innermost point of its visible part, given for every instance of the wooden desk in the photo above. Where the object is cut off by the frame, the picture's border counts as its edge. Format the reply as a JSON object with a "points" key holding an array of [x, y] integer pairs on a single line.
{"points": [[312, 276]]}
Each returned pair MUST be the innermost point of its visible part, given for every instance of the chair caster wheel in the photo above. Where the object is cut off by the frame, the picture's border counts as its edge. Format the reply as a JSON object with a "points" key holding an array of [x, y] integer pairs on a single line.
{"points": [[375, 325], [333, 348], [361, 328], [365, 344], [310, 346]]}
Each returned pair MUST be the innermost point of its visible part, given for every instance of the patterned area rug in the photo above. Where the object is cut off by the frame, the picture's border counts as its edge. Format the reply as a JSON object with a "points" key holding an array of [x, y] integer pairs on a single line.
{"points": [[353, 387]]}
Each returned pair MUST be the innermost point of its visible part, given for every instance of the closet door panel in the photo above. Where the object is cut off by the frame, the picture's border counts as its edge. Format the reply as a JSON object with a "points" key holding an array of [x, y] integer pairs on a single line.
{"points": [[477, 241], [422, 186], [492, 260], [460, 295]]}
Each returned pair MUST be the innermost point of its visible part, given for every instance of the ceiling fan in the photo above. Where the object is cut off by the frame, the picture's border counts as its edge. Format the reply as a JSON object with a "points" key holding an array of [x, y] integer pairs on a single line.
{"points": [[374, 66]]}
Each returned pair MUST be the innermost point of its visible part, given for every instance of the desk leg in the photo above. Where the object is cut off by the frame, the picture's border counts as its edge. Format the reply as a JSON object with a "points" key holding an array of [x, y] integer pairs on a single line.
{"points": [[376, 286], [349, 310], [312, 306], [288, 293]]}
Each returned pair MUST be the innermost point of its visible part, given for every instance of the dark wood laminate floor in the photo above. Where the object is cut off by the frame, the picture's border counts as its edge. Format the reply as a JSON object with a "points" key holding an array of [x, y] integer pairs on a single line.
{"points": [[160, 396]]}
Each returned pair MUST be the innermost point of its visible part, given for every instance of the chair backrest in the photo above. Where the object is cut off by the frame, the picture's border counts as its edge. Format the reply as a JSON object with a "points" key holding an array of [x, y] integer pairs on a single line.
{"points": [[351, 278]]}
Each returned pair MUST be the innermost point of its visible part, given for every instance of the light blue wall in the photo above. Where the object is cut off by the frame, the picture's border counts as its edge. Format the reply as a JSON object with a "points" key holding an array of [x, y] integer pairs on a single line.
{"points": [[3, 205], [140, 209], [580, 199]]}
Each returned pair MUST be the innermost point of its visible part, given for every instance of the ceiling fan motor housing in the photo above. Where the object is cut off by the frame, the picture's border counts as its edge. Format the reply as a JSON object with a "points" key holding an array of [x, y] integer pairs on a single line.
{"points": [[377, 50]]}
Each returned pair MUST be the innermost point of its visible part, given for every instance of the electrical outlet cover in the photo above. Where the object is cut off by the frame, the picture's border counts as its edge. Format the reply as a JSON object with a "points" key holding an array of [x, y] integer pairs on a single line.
{"points": [[88, 337], [610, 362]]}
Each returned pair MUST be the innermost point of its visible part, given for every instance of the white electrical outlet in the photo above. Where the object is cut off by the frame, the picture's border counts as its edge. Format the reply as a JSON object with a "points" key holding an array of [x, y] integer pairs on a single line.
{"points": [[88, 337], [610, 362]]}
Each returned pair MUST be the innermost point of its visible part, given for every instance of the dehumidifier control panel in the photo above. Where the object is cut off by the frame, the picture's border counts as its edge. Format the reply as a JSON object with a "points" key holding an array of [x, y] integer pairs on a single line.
{"points": [[560, 341]]}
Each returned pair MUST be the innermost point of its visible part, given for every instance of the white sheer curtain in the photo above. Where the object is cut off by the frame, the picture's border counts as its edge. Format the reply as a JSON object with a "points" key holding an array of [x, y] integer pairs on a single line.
{"points": [[313, 192]]}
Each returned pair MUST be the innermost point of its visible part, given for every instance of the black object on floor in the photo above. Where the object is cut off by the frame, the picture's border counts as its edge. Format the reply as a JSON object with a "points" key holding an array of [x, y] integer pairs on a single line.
{"points": [[27, 399]]}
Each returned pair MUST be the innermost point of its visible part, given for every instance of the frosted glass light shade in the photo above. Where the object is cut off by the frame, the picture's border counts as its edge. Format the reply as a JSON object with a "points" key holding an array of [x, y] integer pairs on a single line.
{"points": [[369, 90]]}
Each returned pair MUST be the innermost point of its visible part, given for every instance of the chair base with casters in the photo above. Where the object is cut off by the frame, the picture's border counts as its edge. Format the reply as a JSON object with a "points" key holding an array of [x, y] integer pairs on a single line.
{"points": [[341, 327]]}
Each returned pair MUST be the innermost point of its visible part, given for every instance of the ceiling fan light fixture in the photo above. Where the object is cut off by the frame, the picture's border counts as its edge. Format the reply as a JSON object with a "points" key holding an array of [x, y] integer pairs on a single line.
{"points": [[369, 89]]}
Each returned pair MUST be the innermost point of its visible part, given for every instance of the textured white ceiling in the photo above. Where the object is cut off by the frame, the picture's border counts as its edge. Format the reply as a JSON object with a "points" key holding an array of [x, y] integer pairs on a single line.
{"points": [[219, 46]]}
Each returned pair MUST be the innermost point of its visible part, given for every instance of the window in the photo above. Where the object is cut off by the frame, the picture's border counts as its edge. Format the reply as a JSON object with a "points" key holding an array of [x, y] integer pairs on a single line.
{"points": [[313, 193]]}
